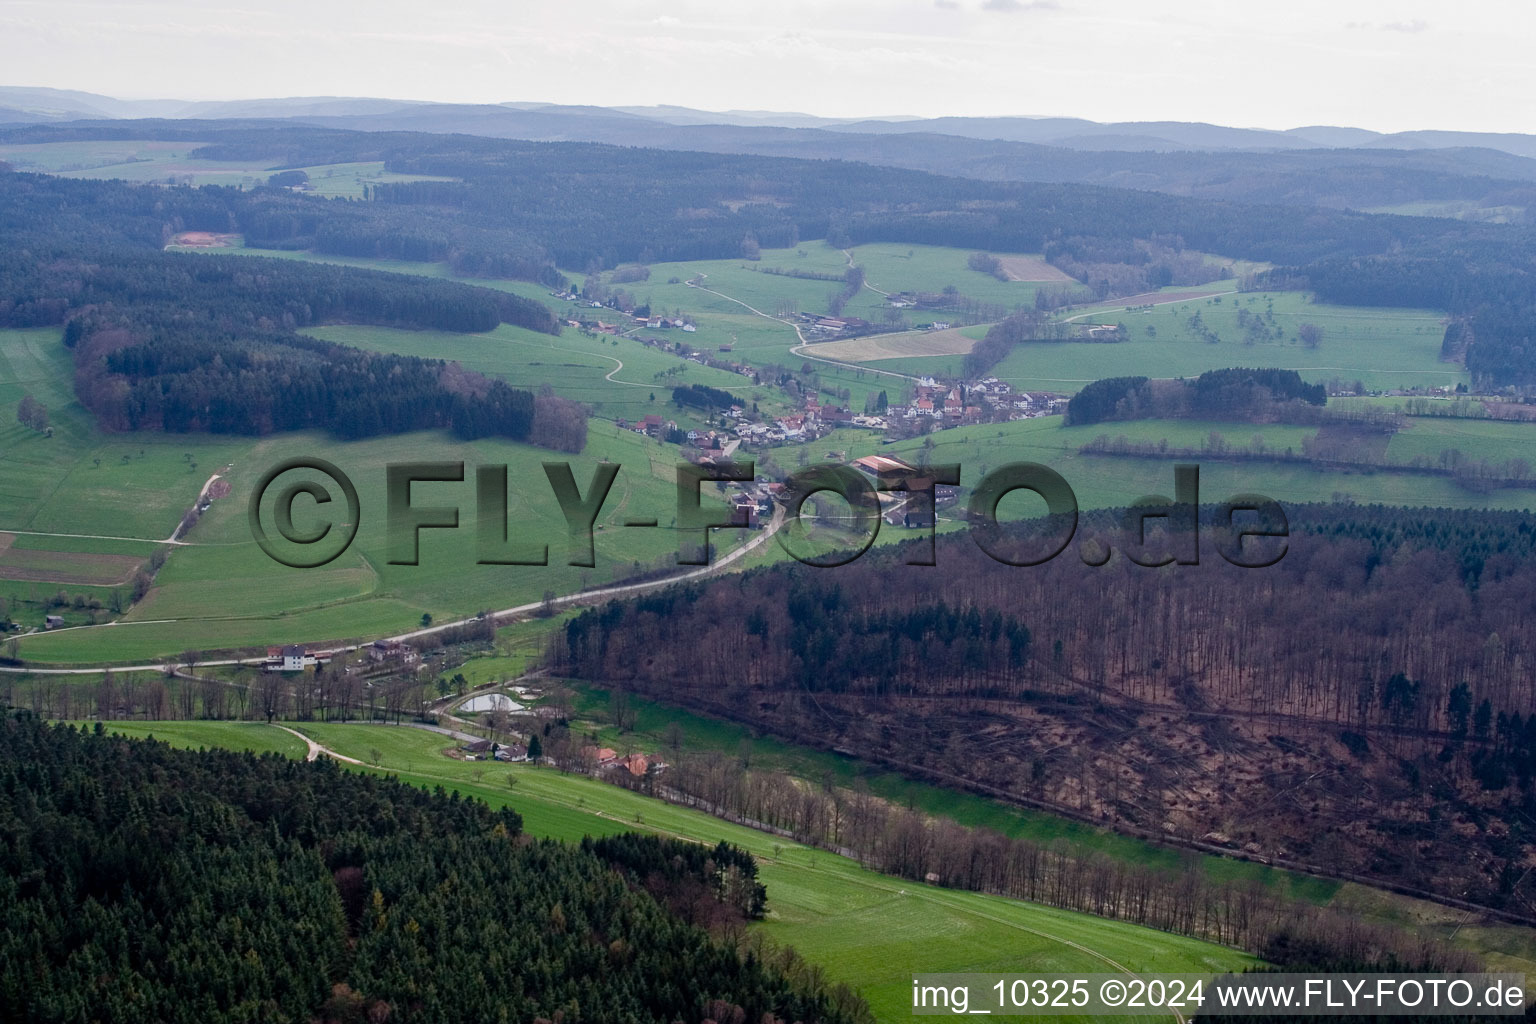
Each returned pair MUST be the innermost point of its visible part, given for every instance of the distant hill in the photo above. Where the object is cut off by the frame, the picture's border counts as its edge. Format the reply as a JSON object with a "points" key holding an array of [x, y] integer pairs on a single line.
{"points": [[1060, 132], [1317, 165]]}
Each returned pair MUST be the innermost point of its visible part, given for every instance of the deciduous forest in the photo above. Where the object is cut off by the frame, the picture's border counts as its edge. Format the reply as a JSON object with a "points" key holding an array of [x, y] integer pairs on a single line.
{"points": [[1361, 708]]}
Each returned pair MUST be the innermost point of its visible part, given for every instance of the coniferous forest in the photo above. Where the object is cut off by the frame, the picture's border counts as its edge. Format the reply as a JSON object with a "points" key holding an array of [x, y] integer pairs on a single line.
{"points": [[536, 210], [144, 883], [179, 342]]}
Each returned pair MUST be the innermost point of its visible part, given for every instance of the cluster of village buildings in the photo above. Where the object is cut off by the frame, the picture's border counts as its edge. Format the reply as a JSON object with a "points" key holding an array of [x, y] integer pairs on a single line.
{"points": [[933, 406], [297, 658]]}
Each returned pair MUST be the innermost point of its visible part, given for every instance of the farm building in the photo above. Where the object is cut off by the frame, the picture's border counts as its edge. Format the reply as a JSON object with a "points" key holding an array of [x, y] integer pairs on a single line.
{"points": [[392, 650], [874, 465]]}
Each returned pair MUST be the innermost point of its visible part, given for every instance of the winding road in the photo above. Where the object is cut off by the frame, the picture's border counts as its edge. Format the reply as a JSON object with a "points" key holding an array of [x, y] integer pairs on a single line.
{"points": [[581, 596]]}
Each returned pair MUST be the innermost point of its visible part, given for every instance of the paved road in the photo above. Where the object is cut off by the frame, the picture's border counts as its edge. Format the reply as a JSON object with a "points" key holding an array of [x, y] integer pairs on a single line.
{"points": [[599, 595], [607, 593]]}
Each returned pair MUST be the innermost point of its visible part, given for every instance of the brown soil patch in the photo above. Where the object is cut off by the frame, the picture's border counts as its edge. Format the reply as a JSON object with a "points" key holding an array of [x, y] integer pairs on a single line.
{"points": [[67, 567], [906, 345], [5, 541], [204, 240], [1342, 441], [1028, 268]]}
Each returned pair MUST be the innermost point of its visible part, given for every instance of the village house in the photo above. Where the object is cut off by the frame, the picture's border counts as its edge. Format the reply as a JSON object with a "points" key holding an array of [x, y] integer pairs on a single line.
{"points": [[289, 658], [874, 465], [392, 650]]}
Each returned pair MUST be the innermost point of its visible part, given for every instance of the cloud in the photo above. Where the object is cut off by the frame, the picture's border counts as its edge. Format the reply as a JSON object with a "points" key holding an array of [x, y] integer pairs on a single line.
{"points": [[1409, 27], [668, 21], [1019, 6], [947, 5]]}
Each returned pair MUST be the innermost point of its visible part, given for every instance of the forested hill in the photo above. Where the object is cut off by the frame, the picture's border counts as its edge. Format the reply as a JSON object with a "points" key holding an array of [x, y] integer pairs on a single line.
{"points": [[180, 342], [531, 210], [1363, 701], [140, 883]]}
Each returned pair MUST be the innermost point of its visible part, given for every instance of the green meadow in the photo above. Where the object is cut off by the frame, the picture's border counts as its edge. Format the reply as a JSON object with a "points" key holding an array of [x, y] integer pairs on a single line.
{"points": [[155, 162], [867, 929], [219, 591], [257, 737], [1494, 440], [1383, 348], [615, 377], [222, 591], [1107, 481]]}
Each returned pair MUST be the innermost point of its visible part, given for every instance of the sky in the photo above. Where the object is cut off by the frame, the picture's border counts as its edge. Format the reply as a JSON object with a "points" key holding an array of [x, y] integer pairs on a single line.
{"points": [[1388, 66]]}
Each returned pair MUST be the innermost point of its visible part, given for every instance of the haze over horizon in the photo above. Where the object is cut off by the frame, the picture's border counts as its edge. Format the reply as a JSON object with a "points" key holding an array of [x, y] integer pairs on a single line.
{"points": [[1385, 68]]}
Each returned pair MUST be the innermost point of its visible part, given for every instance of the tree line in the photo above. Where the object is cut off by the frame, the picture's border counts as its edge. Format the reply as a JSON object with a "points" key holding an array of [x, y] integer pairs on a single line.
{"points": [[146, 882], [182, 343], [1174, 894], [1231, 394]]}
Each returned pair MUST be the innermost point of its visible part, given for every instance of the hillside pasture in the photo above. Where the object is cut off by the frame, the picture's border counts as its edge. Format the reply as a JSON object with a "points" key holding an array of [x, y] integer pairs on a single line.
{"points": [[1381, 348], [1496, 441], [222, 591], [898, 267], [64, 567], [949, 342], [614, 377], [172, 162], [1033, 268], [867, 929], [1111, 481]]}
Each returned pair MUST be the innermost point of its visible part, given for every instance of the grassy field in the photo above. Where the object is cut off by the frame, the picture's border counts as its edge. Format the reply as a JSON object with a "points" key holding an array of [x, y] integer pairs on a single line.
{"points": [[155, 162], [1383, 348], [724, 319], [257, 737], [80, 480], [895, 267], [1106, 481], [864, 928], [614, 377], [224, 592], [1497, 441], [220, 591]]}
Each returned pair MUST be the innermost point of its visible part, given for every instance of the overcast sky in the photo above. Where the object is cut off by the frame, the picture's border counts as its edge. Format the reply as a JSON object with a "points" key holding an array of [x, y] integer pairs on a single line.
{"points": [[1389, 66]]}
